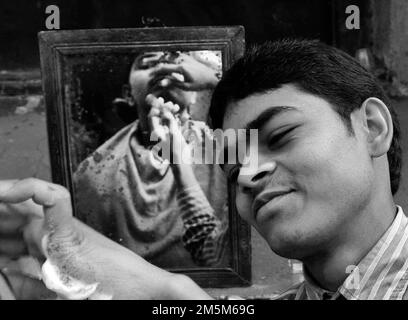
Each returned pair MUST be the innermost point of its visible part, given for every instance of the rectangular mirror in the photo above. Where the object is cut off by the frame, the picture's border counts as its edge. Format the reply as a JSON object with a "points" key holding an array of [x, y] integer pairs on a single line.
{"points": [[95, 84]]}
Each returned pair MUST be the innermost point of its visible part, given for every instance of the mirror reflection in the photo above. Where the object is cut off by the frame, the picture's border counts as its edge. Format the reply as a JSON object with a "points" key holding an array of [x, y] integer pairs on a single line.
{"points": [[175, 216]]}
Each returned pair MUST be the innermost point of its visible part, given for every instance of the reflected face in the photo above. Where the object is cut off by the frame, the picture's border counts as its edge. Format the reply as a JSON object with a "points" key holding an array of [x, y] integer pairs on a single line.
{"points": [[313, 176], [144, 80]]}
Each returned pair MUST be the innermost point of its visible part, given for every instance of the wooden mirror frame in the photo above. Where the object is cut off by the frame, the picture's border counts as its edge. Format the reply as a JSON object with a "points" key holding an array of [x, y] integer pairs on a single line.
{"points": [[58, 45]]}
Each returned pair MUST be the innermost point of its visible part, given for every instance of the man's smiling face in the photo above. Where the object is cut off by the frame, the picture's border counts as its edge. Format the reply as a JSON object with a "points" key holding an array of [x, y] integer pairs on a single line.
{"points": [[313, 175]]}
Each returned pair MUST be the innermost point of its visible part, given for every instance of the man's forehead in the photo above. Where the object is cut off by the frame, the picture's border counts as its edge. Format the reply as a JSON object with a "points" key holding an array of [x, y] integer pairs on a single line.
{"points": [[288, 100]]}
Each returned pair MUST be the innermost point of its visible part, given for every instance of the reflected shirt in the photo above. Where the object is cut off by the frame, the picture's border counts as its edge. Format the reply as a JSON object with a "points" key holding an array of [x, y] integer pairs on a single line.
{"points": [[204, 234], [122, 191]]}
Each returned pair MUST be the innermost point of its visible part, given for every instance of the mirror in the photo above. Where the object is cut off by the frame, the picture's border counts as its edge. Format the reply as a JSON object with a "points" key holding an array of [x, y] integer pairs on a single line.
{"points": [[95, 84]]}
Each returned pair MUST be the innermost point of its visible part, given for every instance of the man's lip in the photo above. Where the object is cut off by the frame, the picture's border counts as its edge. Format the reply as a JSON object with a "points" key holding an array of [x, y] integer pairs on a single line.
{"points": [[267, 196], [153, 83], [156, 80]]}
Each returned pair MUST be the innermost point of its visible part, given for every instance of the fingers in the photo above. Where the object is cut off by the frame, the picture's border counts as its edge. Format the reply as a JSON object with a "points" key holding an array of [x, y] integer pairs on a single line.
{"points": [[55, 199], [32, 235], [168, 111], [40, 191], [20, 210], [152, 57], [11, 224], [158, 105], [59, 216], [172, 107], [12, 247], [184, 117], [186, 86], [204, 129], [14, 219], [158, 132], [172, 123], [151, 100], [168, 69], [176, 75], [6, 184], [161, 116]]}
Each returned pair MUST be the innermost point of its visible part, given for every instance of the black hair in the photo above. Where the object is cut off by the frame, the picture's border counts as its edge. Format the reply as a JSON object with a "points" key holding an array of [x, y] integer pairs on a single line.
{"points": [[313, 67]]}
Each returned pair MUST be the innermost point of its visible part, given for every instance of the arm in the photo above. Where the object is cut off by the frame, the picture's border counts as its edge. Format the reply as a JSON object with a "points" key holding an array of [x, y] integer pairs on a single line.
{"points": [[84, 255], [203, 234]]}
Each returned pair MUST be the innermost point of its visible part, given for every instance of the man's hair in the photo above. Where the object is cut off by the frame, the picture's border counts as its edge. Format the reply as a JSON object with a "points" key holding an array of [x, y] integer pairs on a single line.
{"points": [[313, 67]]}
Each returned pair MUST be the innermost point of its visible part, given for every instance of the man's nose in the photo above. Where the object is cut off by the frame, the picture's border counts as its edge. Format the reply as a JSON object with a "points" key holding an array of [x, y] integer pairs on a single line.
{"points": [[253, 177]]}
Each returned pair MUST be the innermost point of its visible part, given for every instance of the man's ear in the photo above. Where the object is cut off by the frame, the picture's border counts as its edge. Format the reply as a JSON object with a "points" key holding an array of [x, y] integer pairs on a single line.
{"points": [[379, 126]]}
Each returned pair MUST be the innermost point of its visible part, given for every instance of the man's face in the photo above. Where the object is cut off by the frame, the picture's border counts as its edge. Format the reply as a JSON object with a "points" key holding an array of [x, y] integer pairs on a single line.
{"points": [[143, 79], [313, 176]]}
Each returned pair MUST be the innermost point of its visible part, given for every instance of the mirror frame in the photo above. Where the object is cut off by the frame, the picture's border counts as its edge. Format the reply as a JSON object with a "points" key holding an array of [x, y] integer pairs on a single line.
{"points": [[58, 45]]}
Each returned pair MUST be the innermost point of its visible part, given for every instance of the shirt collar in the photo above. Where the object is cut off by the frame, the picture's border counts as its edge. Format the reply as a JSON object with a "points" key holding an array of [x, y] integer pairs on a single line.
{"points": [[313, 291], [381, 275]]}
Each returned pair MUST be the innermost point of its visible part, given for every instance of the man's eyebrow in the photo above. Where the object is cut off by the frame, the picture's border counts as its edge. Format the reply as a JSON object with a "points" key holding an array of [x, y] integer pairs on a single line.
{"points": [[267, 115]]}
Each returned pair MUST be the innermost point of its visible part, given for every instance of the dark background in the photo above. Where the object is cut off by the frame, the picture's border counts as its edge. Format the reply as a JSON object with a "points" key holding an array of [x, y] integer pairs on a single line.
{"points": [[21, 20]]}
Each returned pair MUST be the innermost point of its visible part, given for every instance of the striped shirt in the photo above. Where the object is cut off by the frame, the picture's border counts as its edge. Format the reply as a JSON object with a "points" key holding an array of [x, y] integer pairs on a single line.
{"points": [[204, 234], [381, 275]]}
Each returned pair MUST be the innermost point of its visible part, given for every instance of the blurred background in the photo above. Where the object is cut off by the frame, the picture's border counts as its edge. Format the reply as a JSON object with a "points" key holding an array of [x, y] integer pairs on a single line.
{"points": [[381, 44]]}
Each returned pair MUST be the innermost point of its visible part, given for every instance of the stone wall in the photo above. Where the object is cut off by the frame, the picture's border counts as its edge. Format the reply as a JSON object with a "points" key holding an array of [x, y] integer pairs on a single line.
{"points": [[390, 35]]}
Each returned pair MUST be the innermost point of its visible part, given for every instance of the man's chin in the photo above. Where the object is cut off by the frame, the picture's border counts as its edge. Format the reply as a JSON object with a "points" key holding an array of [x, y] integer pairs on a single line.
{"points": [[289, 252], [290, 245]]}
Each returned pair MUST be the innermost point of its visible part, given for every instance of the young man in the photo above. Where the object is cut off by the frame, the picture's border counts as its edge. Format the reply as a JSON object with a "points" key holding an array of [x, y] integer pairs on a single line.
{"points": [[322, 191], [329, 164]]}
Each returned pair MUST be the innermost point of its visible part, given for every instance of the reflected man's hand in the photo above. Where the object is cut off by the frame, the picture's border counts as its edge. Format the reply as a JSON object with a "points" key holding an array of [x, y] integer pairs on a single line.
{"points": [[196, 75], [167, 129]]}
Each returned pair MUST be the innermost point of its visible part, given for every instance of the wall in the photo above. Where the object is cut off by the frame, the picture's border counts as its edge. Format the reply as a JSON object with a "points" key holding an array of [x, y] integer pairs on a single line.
{"points": [[390, 35]]}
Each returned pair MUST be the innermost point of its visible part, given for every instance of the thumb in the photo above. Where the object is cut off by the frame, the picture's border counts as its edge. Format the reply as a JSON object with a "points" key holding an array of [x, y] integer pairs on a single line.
{"points": [[55, 199], [58, 217]]}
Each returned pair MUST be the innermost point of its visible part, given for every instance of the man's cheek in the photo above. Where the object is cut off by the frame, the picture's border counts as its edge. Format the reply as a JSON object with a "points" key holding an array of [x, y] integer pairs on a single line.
{"points": [[332, 180], [316, 177]]}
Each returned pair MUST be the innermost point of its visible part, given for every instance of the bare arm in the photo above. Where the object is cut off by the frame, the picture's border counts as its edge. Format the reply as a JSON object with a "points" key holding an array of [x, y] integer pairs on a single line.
{"points": [[87, 256]]}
